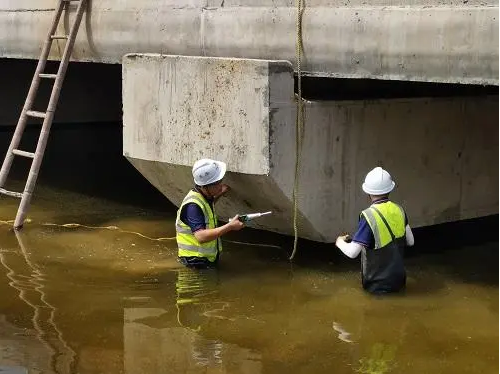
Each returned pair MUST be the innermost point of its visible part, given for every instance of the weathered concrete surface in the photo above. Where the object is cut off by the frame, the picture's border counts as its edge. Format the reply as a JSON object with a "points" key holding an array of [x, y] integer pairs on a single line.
{"points": [[420, 40], [197, 96], [443, 153]]}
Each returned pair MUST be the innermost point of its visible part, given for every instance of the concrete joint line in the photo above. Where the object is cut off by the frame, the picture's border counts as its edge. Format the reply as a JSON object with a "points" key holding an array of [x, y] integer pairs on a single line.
{"points": [[27, 10]]}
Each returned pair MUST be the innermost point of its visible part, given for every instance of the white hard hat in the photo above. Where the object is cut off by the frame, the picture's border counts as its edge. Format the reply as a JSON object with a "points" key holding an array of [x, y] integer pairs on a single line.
{"points": [[378, 182], [206, 171]]}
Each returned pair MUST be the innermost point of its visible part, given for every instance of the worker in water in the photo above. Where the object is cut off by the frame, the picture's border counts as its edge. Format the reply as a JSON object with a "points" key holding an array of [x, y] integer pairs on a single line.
{"points": [[382, 235], [198, 236]]}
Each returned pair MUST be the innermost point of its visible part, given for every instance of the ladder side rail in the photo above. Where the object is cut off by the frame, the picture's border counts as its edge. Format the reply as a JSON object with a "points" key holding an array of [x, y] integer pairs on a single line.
{"points": [[42, 141], [30, 98]]}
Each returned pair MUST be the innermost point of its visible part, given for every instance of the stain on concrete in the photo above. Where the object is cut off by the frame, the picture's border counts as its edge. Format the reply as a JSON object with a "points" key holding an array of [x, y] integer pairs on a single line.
{"points": [[450, 214], [280, 67]]}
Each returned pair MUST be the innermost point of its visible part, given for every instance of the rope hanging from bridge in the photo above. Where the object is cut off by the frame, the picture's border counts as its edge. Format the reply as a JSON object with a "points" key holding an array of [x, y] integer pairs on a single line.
{"points": [[299, 124]]}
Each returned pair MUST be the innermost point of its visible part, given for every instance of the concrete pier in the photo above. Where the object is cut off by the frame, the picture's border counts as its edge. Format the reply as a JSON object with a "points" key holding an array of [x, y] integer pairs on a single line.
{"points": [[443, 153]]}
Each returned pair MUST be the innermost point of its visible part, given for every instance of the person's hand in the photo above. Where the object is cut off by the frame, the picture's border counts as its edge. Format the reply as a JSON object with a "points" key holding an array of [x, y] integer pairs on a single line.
{"points": [[347, 238], [235, 224], [342, 238]]}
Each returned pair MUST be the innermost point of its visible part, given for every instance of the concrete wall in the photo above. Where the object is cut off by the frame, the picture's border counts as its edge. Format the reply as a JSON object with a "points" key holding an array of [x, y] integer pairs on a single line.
{"points": [[421, 40], [443, 153]]}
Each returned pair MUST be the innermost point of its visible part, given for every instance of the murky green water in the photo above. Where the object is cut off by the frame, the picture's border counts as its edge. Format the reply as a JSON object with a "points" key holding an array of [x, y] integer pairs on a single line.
{"points": [[77, 299], [105, 296]]}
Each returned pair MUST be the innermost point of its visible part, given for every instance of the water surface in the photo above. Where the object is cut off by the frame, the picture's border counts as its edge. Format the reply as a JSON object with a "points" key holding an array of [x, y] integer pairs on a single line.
{"points": [[93, 286]]}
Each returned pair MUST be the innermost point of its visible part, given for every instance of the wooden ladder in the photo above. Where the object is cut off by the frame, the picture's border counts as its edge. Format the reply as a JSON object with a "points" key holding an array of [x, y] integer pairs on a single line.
{"points": [[47, 116]]}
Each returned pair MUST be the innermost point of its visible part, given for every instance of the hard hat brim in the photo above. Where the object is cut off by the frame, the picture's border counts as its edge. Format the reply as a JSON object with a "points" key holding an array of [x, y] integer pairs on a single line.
{"points": [[383, 191]]}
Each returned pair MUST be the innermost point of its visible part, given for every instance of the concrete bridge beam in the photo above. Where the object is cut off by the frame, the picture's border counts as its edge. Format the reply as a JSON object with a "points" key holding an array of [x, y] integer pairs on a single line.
{"points": [[420, 40]]}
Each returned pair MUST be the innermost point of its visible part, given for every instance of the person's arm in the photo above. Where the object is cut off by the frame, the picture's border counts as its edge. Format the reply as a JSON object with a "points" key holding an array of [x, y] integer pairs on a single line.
{"points": [[193, 216], [363, 238], [351, 249], [410, 240], [207, 235]]}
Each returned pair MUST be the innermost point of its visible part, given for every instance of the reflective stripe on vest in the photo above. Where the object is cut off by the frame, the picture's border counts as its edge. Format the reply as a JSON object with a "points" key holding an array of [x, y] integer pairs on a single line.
{"points": [[395, 218], [186, 241]]}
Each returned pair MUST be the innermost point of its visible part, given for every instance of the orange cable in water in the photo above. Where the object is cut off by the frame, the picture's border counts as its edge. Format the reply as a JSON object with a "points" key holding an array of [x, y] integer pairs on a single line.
{"points": [[116, 228]]}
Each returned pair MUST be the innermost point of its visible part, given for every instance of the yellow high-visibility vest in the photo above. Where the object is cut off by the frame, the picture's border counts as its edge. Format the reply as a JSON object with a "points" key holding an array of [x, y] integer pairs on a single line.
{"points": [[187, 243], [395, 217]]}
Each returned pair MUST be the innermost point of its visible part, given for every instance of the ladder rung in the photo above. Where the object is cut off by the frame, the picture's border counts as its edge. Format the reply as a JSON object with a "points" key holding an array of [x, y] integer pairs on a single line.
{"points": [[34, 113], [51, 76], [18, 152], [59, 36], [69, 3], [3, 191]]}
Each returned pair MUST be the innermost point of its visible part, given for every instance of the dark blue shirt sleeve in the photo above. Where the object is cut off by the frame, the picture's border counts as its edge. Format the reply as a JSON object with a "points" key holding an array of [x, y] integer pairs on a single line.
{"points": [[193, 216], [364, 235]]}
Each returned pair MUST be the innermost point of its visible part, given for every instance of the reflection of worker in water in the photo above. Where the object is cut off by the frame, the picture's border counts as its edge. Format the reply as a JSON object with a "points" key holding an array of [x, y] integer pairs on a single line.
{"points": [[379, 361], [383, 233], [198, 237], [196, 290], [196, 305]]}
